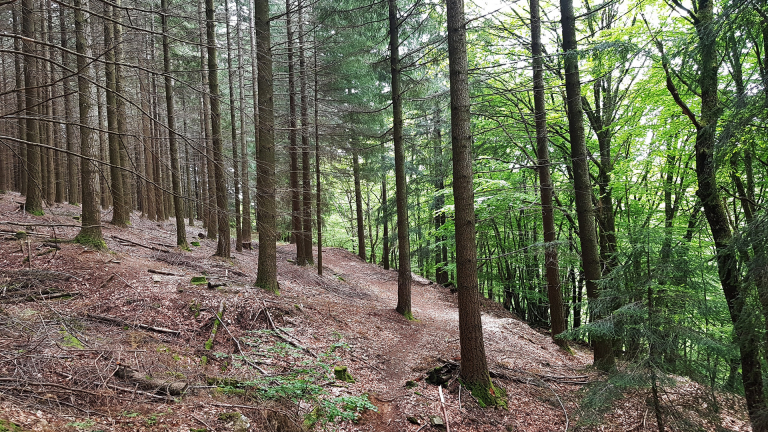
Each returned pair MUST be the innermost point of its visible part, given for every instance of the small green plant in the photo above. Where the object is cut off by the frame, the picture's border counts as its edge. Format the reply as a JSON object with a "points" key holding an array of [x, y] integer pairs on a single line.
{"points": [[83, 424], [129, 414], [195, 243]]}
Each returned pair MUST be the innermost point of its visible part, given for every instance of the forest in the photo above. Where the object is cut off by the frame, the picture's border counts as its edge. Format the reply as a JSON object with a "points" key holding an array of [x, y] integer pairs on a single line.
{"points": [[597, 170]]}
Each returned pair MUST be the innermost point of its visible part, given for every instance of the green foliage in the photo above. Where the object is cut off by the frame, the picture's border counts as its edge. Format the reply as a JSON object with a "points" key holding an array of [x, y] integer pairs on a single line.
{"points": [[7, 426], [198, 280]]}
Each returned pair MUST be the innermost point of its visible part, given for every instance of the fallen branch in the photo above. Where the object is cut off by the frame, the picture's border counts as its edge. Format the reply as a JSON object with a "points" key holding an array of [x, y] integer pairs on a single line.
{"points": [[278, 330], [120, 322], [442, 404], [120, 239], [254, 365], [160, 272], [113, 387], [173, 388]]}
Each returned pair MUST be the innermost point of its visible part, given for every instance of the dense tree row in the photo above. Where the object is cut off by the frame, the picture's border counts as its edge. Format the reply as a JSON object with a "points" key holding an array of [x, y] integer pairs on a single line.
{"points": [[598, 169]]}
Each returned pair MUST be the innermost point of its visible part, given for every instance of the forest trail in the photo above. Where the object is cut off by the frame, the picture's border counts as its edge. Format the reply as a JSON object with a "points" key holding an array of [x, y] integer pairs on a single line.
{"points": [[58, 361]]}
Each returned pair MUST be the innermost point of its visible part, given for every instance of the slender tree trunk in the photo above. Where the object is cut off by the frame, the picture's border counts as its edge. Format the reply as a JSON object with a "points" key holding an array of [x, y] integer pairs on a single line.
{"points": [[73, 190], [603, 354], [254, 79], [210, 202], [265, 180], [385, 216], [103, 172], [293, 151], [441, 250], [119, 210], [306, 184], [223, 245], [90, 232], [245, 223], [358, 205], [34, 202], [554, 292], [233, 129], [178, 206], [149, 168], [122, 129], [318, 200], [18, 65], [401, 187]]}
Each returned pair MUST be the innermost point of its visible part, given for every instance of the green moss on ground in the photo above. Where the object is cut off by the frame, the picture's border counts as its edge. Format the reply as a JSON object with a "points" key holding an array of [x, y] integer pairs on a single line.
{"points": [[492, 396]]}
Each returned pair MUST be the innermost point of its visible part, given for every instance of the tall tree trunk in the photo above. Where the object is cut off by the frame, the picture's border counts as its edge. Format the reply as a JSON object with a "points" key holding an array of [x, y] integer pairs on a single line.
{"points": [[223, 245], [55, 101], [474, 366], [293, 153], [18, 67], [401, 187], [246, 212], [254, 79], [178, 206], [358, 205], [34, 202], [90, 231], [210, 180], [266, 277], [306, 184], [73, 190], [554, 292], [709, 193], [233, 128], [119, 210], [603, 353], [122, 128], [318, 201]]}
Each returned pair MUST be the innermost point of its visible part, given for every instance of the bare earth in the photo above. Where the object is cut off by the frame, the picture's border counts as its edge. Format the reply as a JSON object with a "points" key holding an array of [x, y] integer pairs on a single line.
{"points": [[57, 360]]}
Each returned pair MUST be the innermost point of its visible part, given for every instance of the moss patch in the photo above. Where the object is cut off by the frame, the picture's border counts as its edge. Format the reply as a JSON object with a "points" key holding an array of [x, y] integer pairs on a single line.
{"points": [[492, 396], [341, 374], [7, 426], [90, 241], [198, 280]]}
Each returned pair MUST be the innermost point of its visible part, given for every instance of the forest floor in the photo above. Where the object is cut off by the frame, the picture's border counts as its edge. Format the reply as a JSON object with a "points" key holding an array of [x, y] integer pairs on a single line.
{"points": [[95, 341]]}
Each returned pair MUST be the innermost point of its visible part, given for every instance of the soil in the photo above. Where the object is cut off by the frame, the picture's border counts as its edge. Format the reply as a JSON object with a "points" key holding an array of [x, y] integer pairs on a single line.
{"points": [[58, 355]]}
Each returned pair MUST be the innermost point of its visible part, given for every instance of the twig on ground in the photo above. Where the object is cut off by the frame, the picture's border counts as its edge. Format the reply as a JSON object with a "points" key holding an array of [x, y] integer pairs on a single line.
{"points": [[442, 404], [160, 272], [278, 330], [204, 423], [125, 323], [120, 239], [245, 358]]}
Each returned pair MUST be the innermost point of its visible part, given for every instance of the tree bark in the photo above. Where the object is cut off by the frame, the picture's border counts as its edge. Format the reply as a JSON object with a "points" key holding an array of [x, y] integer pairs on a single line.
{"points": [[223, 245], [34, 202], [119, 210], [90, 232], [266, 277], [245, 222], [178, 205], [306, 184], [358, 205], [401, 186], [293, 153], [318, 201], [73, 190], [233, 128], [590, 258], [385, 216], [552, 268], [474, 365]]}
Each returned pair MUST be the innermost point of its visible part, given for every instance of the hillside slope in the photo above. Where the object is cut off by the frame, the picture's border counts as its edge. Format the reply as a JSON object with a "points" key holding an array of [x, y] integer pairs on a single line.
{"points": [[94, 340]]}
